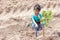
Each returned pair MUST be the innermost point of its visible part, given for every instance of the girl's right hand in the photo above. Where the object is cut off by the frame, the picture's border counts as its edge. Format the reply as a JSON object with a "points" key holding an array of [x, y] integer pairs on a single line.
{"points": [[36, 26]]}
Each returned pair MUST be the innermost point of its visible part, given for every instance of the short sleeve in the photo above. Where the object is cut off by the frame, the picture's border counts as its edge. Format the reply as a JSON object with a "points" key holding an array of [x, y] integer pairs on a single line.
{"points": [[32, 17], [40, 15]]}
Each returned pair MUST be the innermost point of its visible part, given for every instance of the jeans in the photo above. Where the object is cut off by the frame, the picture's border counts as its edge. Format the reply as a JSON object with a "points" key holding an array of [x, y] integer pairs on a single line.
{"points": [[37, 29]]}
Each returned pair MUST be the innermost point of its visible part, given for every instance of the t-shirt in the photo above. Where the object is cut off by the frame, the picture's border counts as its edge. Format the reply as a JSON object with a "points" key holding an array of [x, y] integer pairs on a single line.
{"points": [[36, 18]]}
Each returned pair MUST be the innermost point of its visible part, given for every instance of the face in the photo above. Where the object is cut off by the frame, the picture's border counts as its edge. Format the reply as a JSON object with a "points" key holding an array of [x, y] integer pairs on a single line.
{"points": [[36, 12]]}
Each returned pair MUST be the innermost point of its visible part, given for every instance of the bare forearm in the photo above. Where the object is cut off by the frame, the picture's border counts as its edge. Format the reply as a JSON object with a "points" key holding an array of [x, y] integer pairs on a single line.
{"points": [[34, 22]]}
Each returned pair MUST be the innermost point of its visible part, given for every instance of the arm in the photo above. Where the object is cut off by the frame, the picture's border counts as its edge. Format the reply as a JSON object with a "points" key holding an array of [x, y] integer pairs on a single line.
{"points": [[41, 18], [34, 22]]}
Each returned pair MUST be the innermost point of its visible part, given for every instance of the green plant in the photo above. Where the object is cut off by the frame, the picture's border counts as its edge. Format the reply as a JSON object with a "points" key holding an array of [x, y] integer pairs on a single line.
{"points": [[47, 16]]}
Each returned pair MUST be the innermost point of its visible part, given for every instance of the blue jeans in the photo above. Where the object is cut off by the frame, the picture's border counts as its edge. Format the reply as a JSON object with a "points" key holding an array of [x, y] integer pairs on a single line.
{"points": [[37, 29]]}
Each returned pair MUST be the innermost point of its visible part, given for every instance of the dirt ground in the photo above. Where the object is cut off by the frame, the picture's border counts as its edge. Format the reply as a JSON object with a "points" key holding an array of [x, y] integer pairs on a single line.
{"points": [[15, 15]]}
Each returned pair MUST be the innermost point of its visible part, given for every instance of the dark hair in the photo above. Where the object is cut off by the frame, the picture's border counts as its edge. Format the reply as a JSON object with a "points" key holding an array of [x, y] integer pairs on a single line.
{"points": [[37, 7]]}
